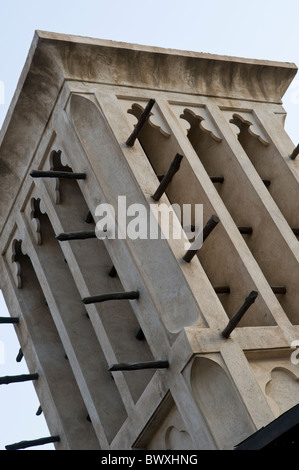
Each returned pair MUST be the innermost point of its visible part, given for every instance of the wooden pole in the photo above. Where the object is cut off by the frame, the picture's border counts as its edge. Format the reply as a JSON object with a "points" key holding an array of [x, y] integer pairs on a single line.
{"points": [[173, 169], [76, 235], [112, 296], [139, 366], [141, 121], [17, 378], [89, 218], [217, 179], [35, 442], [140, 335], [295, 153], [245, 230], [57, 174], [84, 235], [250, 299], [279, 289], [208, 228], [222, 289], [4, 320], [20, 355], [112, 272]]}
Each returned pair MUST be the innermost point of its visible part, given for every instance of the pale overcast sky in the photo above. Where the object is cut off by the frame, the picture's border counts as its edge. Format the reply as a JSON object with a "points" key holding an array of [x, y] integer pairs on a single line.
{"points": [[260, 29]]}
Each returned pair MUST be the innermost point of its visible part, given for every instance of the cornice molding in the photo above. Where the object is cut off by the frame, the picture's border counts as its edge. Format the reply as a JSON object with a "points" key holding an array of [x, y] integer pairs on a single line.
{"points": [[55, 58]]}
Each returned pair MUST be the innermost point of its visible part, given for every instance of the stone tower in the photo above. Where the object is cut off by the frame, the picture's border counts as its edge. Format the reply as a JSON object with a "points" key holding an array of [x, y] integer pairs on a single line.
{"points": [[135, 343]]}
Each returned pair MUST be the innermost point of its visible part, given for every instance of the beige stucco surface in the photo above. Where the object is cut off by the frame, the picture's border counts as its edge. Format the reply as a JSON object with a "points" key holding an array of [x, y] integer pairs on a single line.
{"points": [[77, 102]]}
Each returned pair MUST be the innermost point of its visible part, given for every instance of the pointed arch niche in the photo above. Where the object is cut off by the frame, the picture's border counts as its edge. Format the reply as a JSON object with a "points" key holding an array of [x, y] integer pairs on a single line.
{"points": [[278, 378], [269, 164], [37, 330], [220, 403]]}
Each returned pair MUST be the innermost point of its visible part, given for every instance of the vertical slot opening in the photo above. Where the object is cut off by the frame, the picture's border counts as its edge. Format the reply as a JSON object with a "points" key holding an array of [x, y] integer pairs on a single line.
{"points": [[78, 331], [272, 169], [117, 317], [266, 242], [217, 255], [247, 210], [51, 355]]}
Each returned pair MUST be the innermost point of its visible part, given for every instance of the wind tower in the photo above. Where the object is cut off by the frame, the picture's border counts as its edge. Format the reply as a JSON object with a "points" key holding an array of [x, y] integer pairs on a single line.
{"points": [[142, 343]]}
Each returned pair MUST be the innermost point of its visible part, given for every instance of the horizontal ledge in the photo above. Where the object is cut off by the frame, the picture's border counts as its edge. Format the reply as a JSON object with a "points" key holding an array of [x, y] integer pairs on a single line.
{"points": [[57, 174], [139, 366], [32, 443], [131, 295]]}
